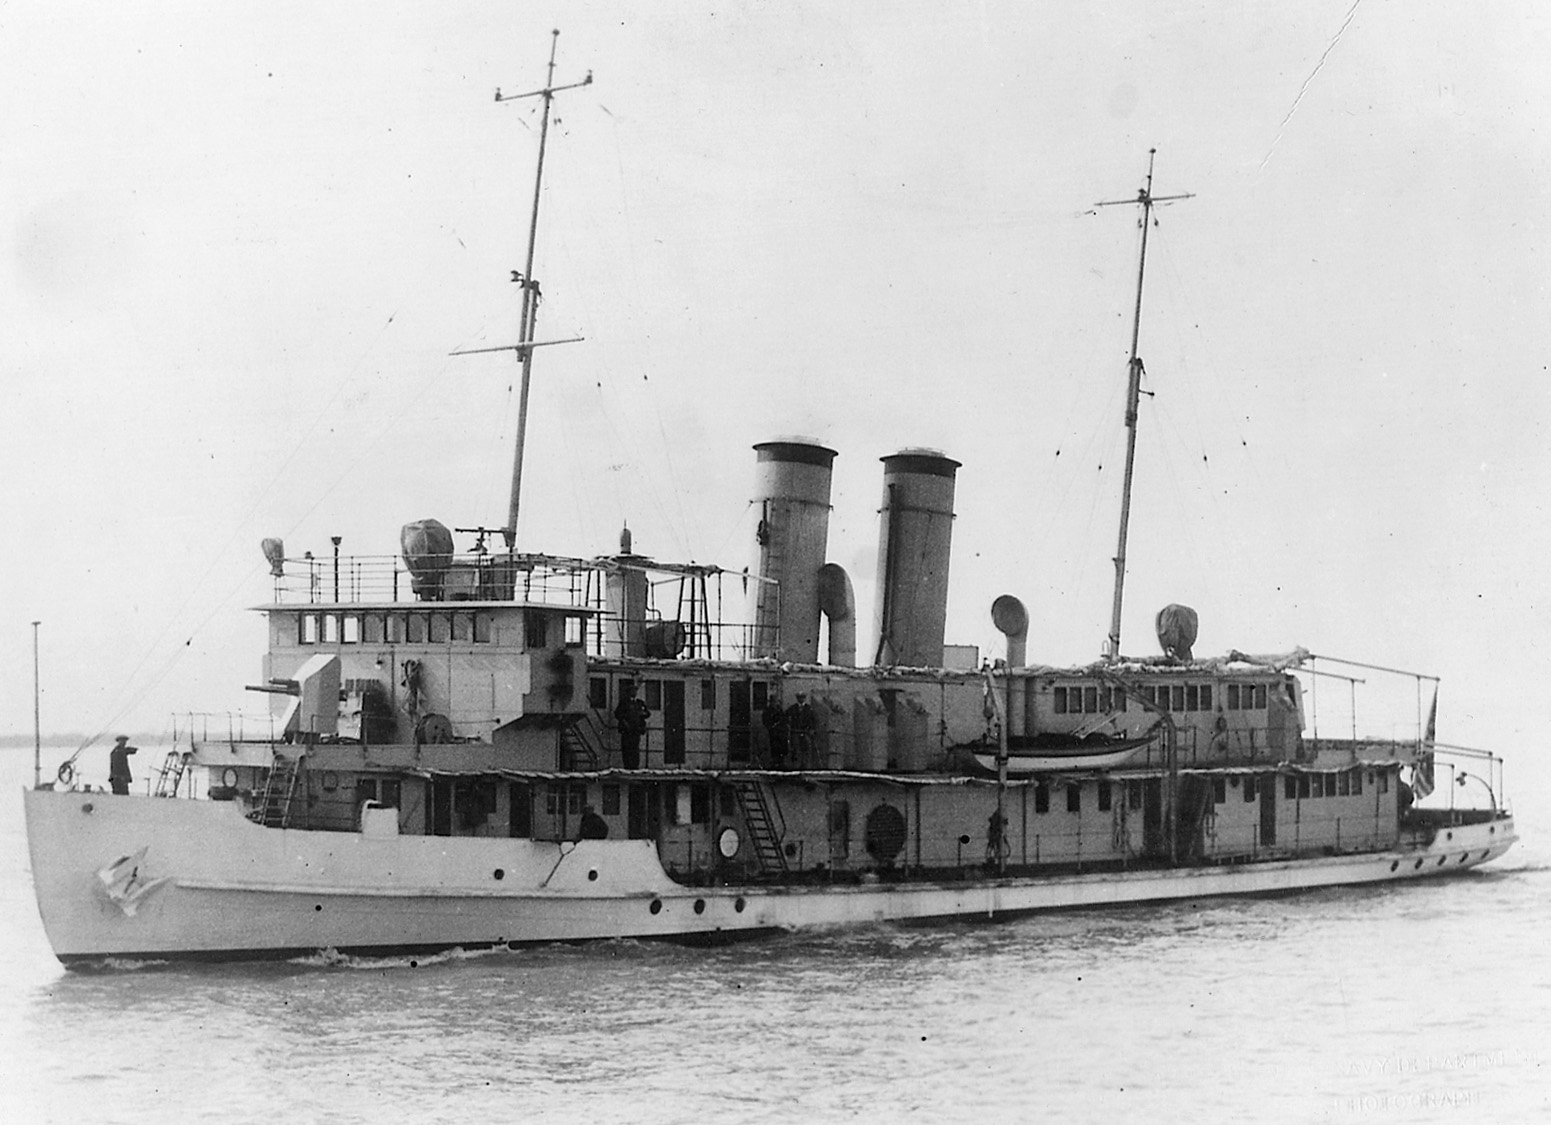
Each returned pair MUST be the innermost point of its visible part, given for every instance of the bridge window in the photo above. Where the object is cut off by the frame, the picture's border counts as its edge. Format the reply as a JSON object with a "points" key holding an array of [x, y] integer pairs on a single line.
{"points": [[1073, 798], [481, 628], [441, 628], [1357, 783], [1292, 787], [331, 628], [397, 629], [462, 627], [1041, 797], [573, 631], [352, 629], [1249, 788], [371, 628], [534, 624], [708, 695], [1303, 785], [1345, 781], [417, 628], [308, 634], [1104, 795]]}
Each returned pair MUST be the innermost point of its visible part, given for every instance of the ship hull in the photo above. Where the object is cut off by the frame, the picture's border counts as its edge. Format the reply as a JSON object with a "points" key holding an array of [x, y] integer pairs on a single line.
{"points": [[138, 878]]}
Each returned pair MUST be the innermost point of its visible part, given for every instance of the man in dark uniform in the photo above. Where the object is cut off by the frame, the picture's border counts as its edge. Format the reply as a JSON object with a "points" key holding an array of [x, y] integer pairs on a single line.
{"points": [[118, 765], [631, 716], [801, 722], [593, 826]]}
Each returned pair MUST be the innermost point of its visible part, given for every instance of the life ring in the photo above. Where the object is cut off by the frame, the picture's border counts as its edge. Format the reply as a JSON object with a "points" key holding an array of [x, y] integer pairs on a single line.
{"points": [[65, 773], [728, 842]]}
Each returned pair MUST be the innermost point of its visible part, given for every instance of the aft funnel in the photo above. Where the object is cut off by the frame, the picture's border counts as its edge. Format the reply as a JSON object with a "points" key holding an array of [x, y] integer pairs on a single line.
{"points": [[911, 611]]}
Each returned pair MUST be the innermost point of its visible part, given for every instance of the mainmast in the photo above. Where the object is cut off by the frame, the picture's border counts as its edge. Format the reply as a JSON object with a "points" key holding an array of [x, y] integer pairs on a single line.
{"points": [[530, 286], [1144, 199]]}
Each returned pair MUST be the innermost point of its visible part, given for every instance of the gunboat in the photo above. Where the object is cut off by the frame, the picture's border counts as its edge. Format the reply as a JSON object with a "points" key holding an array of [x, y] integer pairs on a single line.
{"points": [[486, 747]]}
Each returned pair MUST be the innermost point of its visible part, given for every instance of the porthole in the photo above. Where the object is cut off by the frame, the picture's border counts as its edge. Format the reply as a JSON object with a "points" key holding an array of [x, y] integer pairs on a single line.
{"points": [[1464, 856], [738, 905], [317, 907], [592, 875], [499, 873], [700, 906], [656, 906], [1394, 865], [229, 777], [87, 808], [1418, 865], [1442, 860], [1484, 852], [330, 781], [1448, 835]]}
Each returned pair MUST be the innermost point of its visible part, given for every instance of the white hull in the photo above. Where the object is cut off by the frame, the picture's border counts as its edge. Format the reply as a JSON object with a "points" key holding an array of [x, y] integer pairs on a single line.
{"points": [[210, 884]]}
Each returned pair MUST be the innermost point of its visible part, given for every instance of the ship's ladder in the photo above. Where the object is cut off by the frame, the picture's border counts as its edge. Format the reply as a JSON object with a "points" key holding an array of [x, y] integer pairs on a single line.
{"points": [[174, 765], [578, 745], [761, 815], [273, 809]]}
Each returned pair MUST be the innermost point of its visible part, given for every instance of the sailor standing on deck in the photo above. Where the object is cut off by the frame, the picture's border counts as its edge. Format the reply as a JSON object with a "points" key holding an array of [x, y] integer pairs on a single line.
{"points": [[631, 715], [118, 765]]}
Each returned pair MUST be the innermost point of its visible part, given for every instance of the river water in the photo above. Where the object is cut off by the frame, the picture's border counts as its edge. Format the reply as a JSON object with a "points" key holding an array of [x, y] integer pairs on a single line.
{"points": [[1421, 1002]]}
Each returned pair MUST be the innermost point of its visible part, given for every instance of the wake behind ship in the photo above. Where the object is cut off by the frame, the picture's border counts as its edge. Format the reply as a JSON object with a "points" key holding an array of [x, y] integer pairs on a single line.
{"points": [[483, 746]]}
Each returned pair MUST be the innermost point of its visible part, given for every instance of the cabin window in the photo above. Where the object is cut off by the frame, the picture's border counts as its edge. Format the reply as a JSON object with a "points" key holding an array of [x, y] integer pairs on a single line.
{"points": [[708, 695], [1104, 796], [519, 810], [371, 628], [390, 793], [1058, 701], [1090, 699], [481, 628], [462, 627], [1346, 784], [1112, 699], [1179, 697], [759, 695], [1206, 697], [1384, 782], [1192, 697], [611, 800], [1233, 697], [1260, 697], [1073, 798], [441, 628], [534, 626], [309, 629], [574, 629], [352, 630], [1357, 783], [331, 628], [654, 695], [1219, 791], [1292, 787], [1317, 785], [1041, 797], [1249, 788], [597, 692], [1133, 795], [416, 632], [1303, 785], [1163, 698]]}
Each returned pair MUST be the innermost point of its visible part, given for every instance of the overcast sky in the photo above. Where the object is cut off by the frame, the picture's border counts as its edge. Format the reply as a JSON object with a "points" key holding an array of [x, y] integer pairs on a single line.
{"points": [[240, 241]]}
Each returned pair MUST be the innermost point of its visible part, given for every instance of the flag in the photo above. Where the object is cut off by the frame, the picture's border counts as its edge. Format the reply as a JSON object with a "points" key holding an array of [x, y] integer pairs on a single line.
{"points": [[1422, 768]]}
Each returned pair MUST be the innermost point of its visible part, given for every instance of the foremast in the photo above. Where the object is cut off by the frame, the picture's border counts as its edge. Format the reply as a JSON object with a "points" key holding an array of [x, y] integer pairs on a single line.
{"points": [[528, 318], [1145, 199]]}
